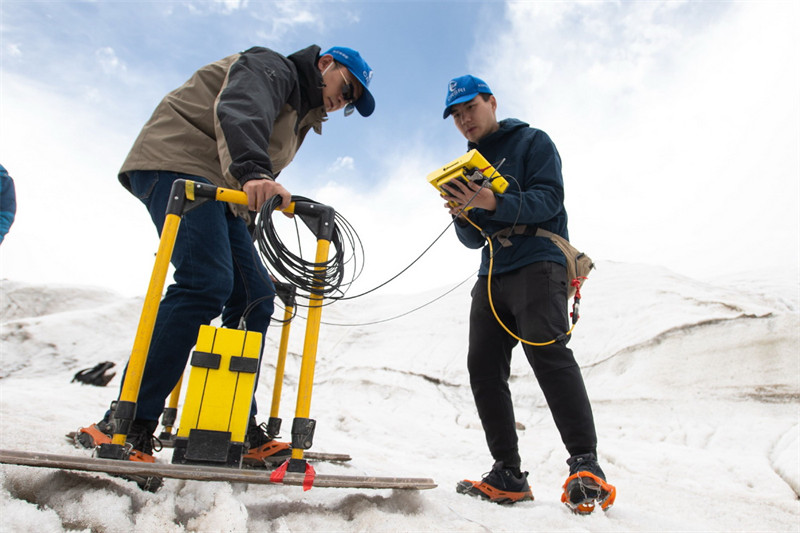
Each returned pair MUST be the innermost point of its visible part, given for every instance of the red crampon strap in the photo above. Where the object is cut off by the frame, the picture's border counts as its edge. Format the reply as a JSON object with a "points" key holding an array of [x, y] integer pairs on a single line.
{"points": [[308, 480]]}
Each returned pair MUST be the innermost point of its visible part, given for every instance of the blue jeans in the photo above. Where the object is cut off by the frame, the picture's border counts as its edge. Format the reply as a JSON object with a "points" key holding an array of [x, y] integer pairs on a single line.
{"points": [[217, 271]]}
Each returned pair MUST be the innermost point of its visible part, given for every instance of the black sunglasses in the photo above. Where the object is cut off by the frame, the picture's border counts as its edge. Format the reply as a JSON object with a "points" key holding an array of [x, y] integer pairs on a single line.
{"points": [[348, 93]]}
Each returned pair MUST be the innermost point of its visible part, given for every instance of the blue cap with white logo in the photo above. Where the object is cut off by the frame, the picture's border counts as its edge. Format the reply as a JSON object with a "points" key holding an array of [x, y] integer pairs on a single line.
{"points": [[464, 89], [362, 72]]}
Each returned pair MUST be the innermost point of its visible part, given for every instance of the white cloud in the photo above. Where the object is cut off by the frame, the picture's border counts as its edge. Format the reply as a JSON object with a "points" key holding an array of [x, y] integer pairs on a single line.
{"points": [[75, 223], [109, 61], [677, 124], [343, 163], [229, 6], [225, 7], [286, 18], [13, 49]]}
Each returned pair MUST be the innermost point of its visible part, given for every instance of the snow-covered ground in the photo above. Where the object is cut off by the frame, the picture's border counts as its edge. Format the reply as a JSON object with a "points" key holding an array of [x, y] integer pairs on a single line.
{"points": [[695, 388]]}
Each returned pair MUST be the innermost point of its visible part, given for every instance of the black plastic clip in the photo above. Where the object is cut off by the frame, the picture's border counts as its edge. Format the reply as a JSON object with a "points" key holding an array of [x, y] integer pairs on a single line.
{"points": [[303, 433]]}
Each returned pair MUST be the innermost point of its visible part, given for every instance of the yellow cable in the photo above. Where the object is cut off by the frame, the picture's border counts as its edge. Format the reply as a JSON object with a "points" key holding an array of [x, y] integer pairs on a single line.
{"points": [[491, 303]]}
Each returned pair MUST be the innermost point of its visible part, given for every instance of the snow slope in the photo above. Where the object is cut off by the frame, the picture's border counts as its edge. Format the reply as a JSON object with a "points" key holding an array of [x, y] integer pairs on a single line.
{"points": [[695, 388]]}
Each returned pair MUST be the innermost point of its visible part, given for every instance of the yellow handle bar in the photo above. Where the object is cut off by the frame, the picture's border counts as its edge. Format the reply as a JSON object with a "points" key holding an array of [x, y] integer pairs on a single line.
{"points": [[240, 197]]}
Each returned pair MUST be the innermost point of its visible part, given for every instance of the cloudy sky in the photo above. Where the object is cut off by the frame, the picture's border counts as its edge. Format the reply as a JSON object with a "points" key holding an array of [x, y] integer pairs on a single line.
{"points": [[678, 124]]}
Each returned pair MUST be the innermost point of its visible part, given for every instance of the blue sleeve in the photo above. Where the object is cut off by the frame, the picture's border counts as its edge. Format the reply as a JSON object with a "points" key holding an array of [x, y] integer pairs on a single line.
{"points": [[8, 202], [542, 194], [468, 235], [6, 219]]}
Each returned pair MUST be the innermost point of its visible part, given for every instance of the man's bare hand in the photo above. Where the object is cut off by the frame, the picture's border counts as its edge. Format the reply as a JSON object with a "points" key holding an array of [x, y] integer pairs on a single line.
{"points": [[260, 191], [460, 194]]}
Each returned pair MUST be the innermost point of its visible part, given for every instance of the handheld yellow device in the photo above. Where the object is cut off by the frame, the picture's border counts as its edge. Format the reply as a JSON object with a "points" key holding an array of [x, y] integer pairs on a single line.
{"points": [[471, 166]]}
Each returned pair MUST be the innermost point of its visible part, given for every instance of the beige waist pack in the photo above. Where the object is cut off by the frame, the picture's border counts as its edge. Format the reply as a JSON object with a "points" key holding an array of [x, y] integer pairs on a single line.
{"points": [[578, 263]]}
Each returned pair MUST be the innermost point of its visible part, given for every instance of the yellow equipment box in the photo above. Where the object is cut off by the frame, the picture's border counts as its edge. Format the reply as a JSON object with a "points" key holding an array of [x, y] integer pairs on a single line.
{"points": [[216, 409], [471, 166]]}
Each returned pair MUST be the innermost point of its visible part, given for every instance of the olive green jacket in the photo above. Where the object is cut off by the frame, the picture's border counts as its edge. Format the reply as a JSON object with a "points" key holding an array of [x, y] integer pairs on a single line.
{"points": [[241, 118]]}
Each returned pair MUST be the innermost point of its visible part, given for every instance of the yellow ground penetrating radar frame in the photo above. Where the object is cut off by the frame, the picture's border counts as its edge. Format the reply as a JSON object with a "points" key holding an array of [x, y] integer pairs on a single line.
{"points": [[471, 166]]}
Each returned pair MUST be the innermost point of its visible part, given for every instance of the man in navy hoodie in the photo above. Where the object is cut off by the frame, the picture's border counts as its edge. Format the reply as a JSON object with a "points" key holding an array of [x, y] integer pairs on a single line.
{"points": [[529, 295]]}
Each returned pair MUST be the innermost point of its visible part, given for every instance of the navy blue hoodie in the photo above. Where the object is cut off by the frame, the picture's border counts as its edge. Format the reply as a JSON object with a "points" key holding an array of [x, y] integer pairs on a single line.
{"points": [[529, 161]]}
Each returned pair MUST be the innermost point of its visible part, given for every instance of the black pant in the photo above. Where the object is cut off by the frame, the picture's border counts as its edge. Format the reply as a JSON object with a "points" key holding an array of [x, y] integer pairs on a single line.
{"points": [[531, 302]]}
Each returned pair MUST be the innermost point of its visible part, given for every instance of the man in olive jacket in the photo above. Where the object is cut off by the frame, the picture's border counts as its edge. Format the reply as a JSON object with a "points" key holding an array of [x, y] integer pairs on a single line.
{"points": [[235, 123]]}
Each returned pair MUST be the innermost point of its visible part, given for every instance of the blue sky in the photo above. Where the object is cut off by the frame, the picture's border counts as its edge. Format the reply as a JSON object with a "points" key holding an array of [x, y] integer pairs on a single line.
{"points": [[124, 56], [678, 124]]}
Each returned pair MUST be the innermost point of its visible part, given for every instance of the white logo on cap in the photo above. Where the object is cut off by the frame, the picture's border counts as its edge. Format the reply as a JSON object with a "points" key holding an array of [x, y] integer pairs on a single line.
{"points": [[457, 90], [453, 85]]}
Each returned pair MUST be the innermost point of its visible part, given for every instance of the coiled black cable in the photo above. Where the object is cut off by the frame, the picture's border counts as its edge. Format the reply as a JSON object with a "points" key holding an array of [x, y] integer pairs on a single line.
{"points": [[326, 279]]}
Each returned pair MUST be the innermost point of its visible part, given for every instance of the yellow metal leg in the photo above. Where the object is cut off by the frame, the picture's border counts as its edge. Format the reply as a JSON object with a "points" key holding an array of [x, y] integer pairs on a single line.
{"points": [[281, 364], [311, 340], [171, 412], [144, 334]]}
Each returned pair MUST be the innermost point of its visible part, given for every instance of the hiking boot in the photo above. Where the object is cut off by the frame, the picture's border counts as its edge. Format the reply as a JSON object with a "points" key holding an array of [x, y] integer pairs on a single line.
{"points": [[501, 485], [263, 450], [140, 438], [142, 442], [586, 485]]}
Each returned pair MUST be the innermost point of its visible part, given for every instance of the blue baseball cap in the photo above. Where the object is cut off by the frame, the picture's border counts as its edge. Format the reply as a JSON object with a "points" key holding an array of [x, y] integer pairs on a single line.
{"points": [[362, 72], [464, 89]]}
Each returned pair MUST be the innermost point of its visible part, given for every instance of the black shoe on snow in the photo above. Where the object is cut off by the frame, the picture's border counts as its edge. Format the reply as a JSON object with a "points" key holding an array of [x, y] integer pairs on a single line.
{"points": [[262, 448], [140, 444], [586, 485], [501, 485], [142, 440]]}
